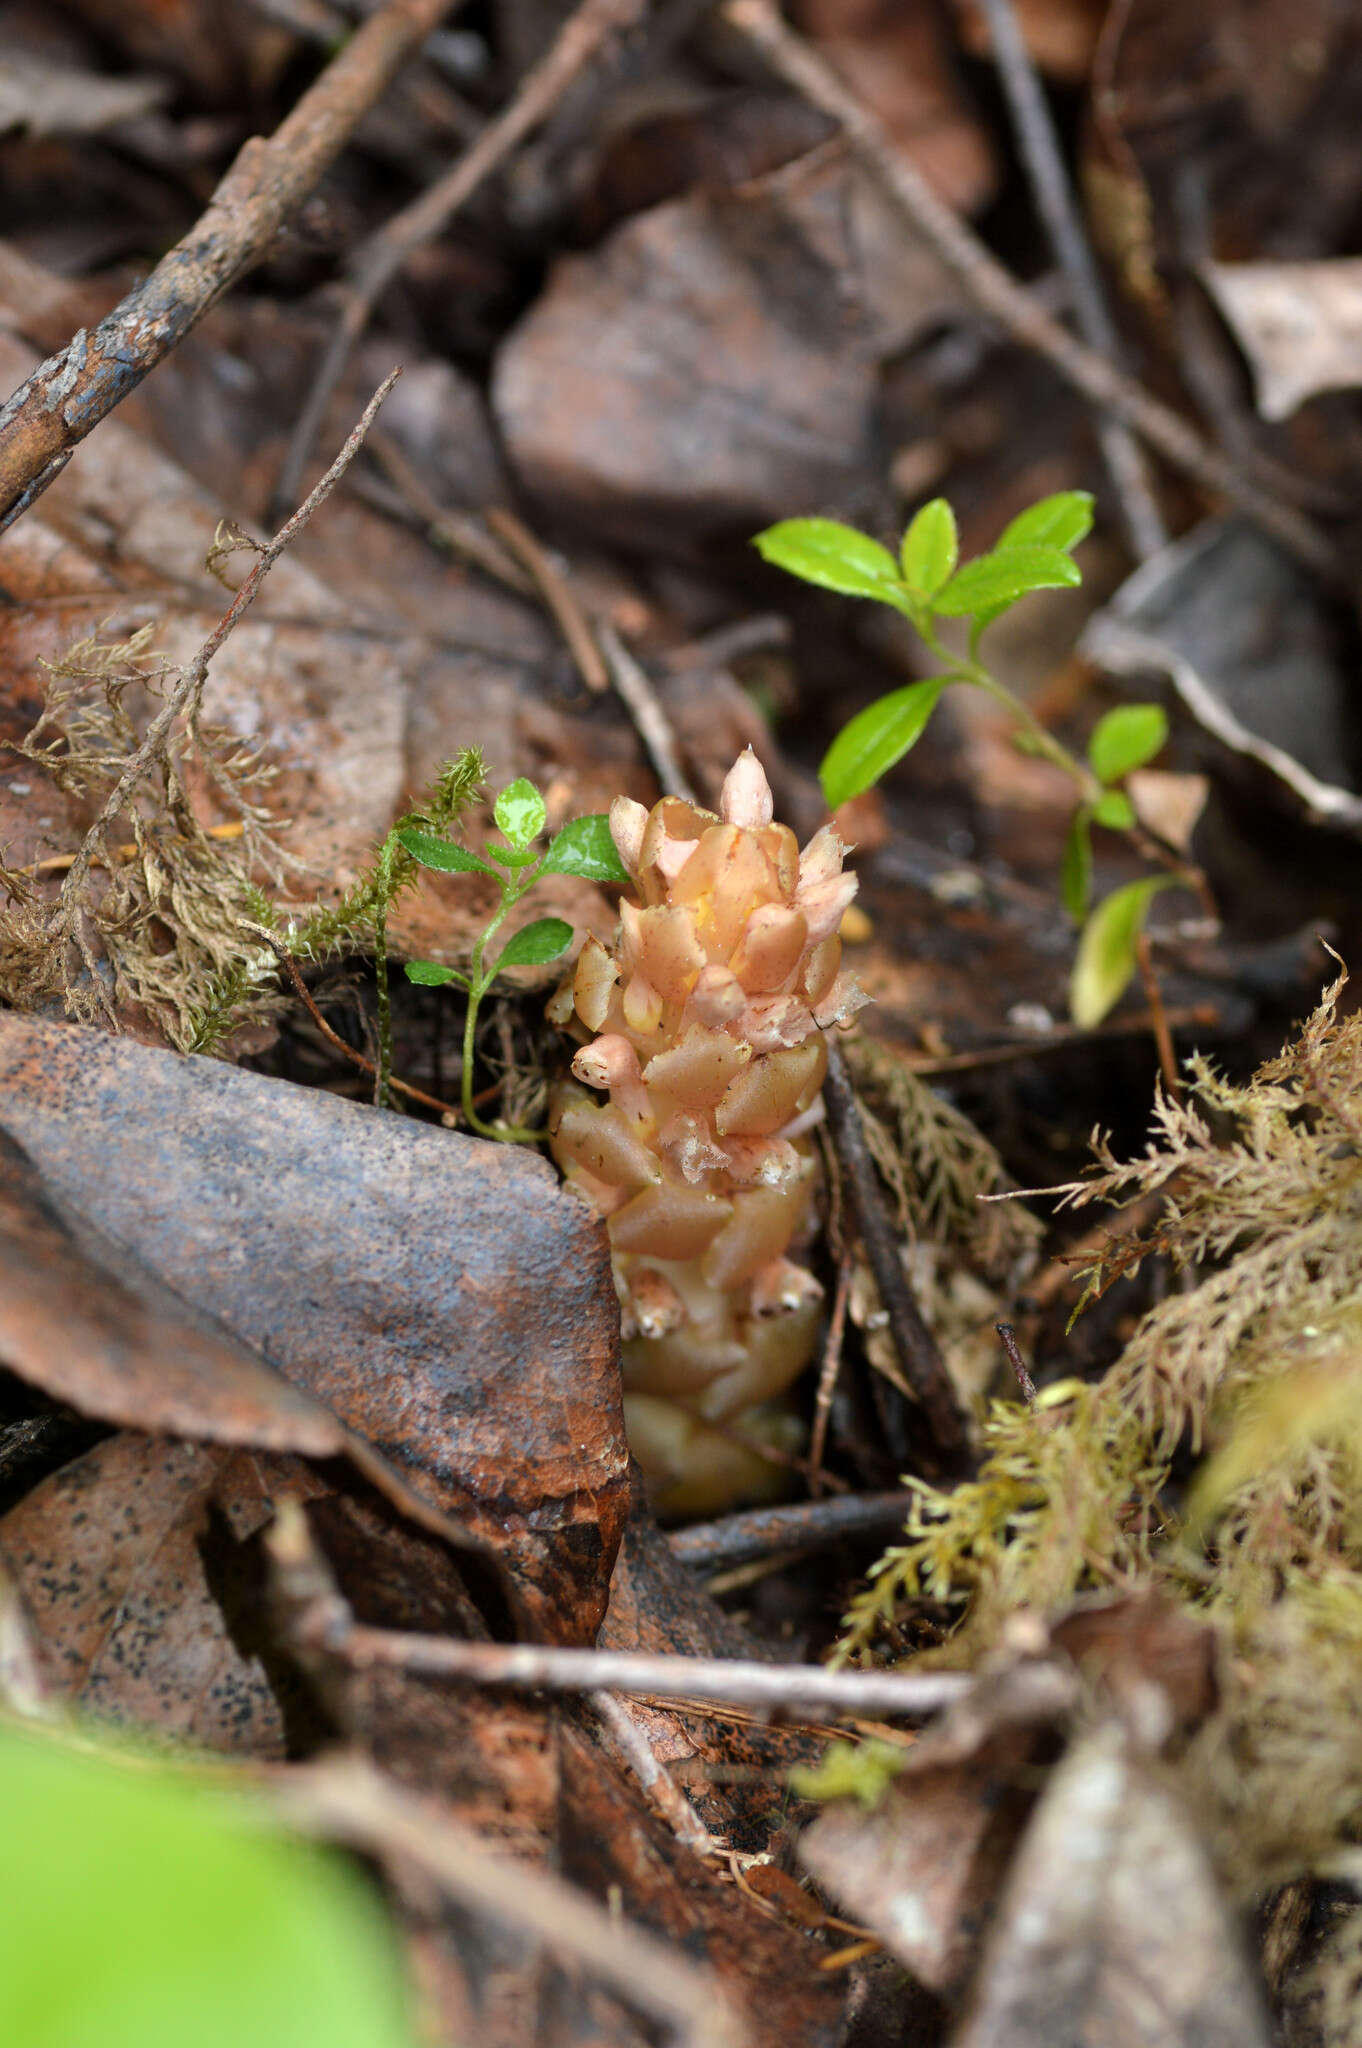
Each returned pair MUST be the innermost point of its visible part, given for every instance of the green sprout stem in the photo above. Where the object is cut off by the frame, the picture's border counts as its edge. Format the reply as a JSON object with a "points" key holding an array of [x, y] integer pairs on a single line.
{"points": [[478, 984], [967, 669]]}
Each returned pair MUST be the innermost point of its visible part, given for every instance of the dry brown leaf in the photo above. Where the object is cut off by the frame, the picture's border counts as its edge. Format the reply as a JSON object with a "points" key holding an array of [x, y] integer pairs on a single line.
{"points": [[443, 1297], [1111, 1928], [111, 1557], [1299, 324]]}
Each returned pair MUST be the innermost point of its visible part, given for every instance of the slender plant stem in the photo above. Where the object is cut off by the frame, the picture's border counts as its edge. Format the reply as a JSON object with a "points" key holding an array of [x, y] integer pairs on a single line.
{"points": [[478, 985]]}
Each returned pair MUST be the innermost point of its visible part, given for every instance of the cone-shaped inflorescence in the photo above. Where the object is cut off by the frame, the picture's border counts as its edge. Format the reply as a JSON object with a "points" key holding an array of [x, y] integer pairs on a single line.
{"points": [[708, 1015]]}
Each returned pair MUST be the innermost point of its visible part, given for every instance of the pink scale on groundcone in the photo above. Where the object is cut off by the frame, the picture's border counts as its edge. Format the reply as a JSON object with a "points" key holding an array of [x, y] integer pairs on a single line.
{"points": [[707, 1057]]}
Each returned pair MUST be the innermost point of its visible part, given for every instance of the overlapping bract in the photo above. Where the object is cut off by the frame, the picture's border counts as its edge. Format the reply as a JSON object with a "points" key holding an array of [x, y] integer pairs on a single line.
{"points": [[708, 1013]]}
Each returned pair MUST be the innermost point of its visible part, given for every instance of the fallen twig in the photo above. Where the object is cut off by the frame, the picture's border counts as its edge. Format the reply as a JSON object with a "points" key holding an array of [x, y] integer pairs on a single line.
{"points": [[558, 596], [632, 1748], [351, 1802], [996, 291], [644, 706], [334, 1039], [1017, 1362], [827, 1375], [917, 1350], [55, 408], [318, 1619], [377, 261], [461, 533], [800, 1526], [1044, 164]]}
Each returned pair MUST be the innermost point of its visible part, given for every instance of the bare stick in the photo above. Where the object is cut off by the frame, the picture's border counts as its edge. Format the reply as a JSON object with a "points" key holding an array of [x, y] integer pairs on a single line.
{"points": [[631, 1746], [333, 1038], [1158, 1017], [918, 1354], [1017, 1362], [320, 1622], [349, 1801], [774, 1688], [996, 291], [457, 532], [827, 1376], [71, 392], [558, 596], [187, 691], [1040, 153], [378, 260], [805, 1525], [644, 706]]}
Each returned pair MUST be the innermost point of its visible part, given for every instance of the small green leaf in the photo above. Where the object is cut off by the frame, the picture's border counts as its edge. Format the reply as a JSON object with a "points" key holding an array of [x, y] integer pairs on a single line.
{"points": [[443, 854], [995, 581], [1125, 739], [511, 856], [876, 738], [144, 1906], [1106, 950], [836, 557], [930, 548], [519, 811], [584, 847], [1075, 868], [1058, 522], [535, 943], [430, 974], [1114, 810]]}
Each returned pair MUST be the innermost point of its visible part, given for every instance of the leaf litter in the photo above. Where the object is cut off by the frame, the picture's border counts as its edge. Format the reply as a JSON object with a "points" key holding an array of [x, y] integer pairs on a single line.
{"points": [[280, 1303]]}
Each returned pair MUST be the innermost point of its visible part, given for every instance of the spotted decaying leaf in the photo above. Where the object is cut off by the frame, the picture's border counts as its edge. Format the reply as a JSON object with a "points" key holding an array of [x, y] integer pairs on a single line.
{"points": [[442, 1298]]}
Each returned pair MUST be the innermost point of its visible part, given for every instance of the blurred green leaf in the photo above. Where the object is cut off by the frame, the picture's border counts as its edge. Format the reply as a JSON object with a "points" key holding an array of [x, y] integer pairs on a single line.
{"points": [[584, 847], [443, 854], [1125, 739], [837, 557], [1114, 810], [430, 974], [1061, 521], [1106, 956], [1075, 867], [535, 943], [995, 581], [876, 738], [143, 1910], [930, 548], [519, 811]]}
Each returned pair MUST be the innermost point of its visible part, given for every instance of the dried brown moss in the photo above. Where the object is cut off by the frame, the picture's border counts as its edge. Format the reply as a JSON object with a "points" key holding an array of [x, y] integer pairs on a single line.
{"points": [[1256, 1362]]}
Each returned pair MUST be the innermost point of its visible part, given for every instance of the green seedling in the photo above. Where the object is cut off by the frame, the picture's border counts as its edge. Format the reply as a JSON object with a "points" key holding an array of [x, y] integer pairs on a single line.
{"points": [[583, 847], [928, 584]]}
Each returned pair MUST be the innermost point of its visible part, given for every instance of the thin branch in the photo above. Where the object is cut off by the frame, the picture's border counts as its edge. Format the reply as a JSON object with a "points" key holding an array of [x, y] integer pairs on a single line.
{"points": [[70, 393], [644, 706], [802, 1526], [996, 291], [1049, 180], [317, 1619], [333, 1038], [183, 699], [1158, 1017], [918, 1354], [1019, 1366], [378, 260], [460, 533], [827, 1375], [349, 1801], [557, 593], [632, 1748]]}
